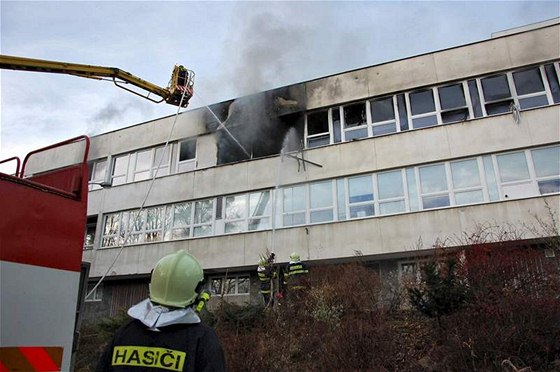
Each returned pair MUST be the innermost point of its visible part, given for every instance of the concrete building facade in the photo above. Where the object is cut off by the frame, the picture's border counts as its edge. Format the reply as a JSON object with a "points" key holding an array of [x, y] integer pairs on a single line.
{"points": [[363, 163]]}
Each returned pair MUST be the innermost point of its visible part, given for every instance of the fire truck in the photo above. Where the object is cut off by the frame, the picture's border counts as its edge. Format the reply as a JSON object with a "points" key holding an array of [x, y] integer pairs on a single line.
{"points": [[42, 277]]}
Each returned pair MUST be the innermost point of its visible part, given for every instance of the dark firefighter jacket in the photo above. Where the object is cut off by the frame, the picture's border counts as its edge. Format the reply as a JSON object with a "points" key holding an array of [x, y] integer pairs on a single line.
{"points": [[265, 274], [294, 273], [178, 347]]}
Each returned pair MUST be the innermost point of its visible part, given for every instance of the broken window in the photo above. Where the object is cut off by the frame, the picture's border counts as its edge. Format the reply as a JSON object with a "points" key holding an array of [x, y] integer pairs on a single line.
{"points": [[187, 156], [530, 88], [423, 108], [383, 115], [318, 133], [453, 103], [355, 121], [497, 95]]}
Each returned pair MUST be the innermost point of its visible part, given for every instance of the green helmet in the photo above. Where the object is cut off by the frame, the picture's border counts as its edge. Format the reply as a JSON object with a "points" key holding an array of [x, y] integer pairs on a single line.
{"points": [[294, 256], [175, 279]]}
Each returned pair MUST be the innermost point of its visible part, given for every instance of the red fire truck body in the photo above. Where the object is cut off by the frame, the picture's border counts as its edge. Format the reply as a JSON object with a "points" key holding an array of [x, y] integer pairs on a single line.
{"points": [[41, 243]]}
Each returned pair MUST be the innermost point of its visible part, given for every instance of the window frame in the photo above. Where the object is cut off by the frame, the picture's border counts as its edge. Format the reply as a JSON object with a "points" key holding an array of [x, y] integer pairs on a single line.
{"points": [[188, 162]]}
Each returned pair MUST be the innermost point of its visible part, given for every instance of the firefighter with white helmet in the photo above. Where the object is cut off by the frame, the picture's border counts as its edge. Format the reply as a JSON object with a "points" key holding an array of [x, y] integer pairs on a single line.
{"points": [[166, 332]]}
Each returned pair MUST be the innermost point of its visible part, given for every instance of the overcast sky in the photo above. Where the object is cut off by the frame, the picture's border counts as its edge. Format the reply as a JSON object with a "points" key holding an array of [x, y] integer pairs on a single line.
{"points": [[235, 48]]}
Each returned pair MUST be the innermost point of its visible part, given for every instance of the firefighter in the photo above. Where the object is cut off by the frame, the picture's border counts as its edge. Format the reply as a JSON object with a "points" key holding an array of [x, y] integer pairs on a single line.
{"points": [[165, 332], [266, 274], [294, 273]]}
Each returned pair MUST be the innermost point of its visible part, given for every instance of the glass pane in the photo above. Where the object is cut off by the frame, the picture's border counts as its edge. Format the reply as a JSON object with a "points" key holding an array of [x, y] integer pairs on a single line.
{"points": [[390, 184], [120, 166], [182, 215], [355, 115], [439, 201], [392, 207], [455, 115], [186, 166], [499, 107], [361, 211], [235, 207], [424, 122], [360, 189], [422, 102], [495, 88], [317, 122], [111, 224], [528, 81], [465, 174], [475, 98], [451, 97], [337, 136], [203, 211], [513, 167], [154, 218], [230, 286], [202, 230], [382, 109], [143, 160], [161, 158], [232, 227], [549, 186], [490, 178], [403, 116], [259, 204], [341, 199], [538, 101], [355, 134], [294, 219], [320, 194], [546, 161], [321, 216], [412, 191], [433, 179], [469, 197], [100, 171], [187, 150], [216, 286], [379, 130], [141, 176], [294, 198], [259, 224], [318, 141], [136, 221], [243, 285], [553, 82], [181, 233], [153, 236]]}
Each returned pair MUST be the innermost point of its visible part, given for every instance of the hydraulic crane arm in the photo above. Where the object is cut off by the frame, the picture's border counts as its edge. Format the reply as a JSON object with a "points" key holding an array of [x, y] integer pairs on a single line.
{"points": [[182, 80]]}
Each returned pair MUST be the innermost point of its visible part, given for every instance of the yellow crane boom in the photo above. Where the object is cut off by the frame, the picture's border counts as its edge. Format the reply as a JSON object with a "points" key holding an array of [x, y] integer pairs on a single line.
{"points": [[182, 80]]}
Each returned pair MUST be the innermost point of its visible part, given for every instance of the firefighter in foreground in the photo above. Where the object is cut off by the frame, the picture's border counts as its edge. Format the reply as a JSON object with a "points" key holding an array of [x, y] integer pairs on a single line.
{"points": [[294, 275], [266, 274], [165, 332]]}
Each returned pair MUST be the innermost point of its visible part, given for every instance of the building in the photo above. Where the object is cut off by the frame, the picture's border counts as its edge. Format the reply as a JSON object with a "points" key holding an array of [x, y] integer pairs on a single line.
{"points": [[363, 163]]}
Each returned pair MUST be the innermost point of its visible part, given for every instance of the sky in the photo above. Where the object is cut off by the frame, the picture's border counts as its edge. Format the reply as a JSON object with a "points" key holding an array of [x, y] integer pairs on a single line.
{"points": [[235, 48]]}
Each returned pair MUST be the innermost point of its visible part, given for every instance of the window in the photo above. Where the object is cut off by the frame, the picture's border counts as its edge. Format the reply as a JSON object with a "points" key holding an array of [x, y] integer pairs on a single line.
{"points": [[113, 233], [433, 186], [141, 165], [530, 88], [422, 108], [321, 202], [383, 115], [497, 94], [247, 212], [203, 217], [360, 196], [259, 210], [230, 285], [89, 239], [187, 156], [294, 205], [391, 192], [120, 170], [182, 221], [547, 169], [97, 295], [97, 174], [453, 103], [553, 82], [514, 175], [318, 133], [355, 121], [467, 185]]}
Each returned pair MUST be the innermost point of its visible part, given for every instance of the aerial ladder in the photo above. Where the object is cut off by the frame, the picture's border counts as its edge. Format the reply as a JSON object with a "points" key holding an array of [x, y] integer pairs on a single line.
{"points": [[178, 92]]}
